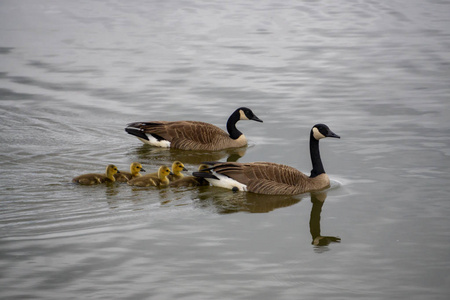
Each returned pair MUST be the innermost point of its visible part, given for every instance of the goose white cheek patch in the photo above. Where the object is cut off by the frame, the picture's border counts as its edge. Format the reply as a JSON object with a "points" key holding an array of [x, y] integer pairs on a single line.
{"points": [[317, 135], [242, 115]]}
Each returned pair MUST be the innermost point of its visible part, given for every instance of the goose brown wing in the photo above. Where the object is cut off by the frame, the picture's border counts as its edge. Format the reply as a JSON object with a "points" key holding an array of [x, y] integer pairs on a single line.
{"points": [[184, 134], [264, 177]]}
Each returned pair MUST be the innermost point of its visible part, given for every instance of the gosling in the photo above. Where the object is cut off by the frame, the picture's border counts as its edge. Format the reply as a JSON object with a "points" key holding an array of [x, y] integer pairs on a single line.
{"points": [[94, 178], [150, 180], [135, 169], [177, 167]]}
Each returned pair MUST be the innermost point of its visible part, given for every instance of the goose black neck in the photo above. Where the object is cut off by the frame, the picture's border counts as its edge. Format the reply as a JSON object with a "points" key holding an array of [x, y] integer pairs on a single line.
{"points": [[315, 157], [231, 125]]}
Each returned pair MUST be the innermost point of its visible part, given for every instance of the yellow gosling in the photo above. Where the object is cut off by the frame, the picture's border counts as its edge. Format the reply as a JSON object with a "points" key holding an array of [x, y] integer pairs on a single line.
{"points": [[150, 180], [177, 167], [94, 178], [135, 169]]}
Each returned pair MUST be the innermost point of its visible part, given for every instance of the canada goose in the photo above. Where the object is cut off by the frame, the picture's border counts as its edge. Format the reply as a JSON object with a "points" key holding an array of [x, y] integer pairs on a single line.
{"points": [[271, 178], [176, 174], [193, 135], [94, 178], [135, 169], [190, 181], [150, 180]]}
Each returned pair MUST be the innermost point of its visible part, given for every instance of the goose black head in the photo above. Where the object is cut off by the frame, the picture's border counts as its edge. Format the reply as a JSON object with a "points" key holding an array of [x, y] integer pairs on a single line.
{"points": [[320, 131], [247, 114]]}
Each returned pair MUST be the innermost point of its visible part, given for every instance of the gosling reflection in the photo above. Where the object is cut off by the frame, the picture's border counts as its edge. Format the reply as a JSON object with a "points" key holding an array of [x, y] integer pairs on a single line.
{"points": [[317, 200], [147, 152]]}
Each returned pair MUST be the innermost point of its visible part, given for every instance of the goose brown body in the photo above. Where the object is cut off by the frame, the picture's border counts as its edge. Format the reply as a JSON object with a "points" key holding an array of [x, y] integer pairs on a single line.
{"points": [[135, 169], [160, 180], [271, 178], [193, 135], [96, 178]]}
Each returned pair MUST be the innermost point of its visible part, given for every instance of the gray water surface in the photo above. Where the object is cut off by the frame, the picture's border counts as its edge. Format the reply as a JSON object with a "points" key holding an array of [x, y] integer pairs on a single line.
{"points": [[74, 73]]}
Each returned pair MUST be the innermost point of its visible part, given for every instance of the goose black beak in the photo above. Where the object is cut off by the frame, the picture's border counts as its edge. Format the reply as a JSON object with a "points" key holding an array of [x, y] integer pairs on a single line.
{"points": [[184, 169], [333, 135], [142, 170], [255, 118]]}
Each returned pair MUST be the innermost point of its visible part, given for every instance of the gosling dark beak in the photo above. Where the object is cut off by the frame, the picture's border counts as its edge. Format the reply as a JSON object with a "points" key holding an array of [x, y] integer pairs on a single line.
{"points": [[255, 118], [118, 171], [184, 169], [142, 170], [171, 173], [333, 135]]}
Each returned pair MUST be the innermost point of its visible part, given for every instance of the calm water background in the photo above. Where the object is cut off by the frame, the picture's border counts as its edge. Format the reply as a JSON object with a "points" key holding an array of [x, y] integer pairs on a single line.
{"points": [[74, 73]]}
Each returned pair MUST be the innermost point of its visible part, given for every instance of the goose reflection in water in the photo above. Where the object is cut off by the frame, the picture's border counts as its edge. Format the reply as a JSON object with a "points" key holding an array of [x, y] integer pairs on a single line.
{"points": [[317, 200], [225, 203], [149, 153], [231, 202]]}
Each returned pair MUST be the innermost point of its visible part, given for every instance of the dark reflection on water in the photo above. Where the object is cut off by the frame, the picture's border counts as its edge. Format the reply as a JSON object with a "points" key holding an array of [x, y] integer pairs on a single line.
{"points": [[318, 240], [147, 153], [225, 201]]}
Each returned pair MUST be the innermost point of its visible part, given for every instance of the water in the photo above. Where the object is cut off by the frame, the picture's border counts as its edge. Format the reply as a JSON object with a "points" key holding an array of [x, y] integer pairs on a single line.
{"points": [[73, 74]]}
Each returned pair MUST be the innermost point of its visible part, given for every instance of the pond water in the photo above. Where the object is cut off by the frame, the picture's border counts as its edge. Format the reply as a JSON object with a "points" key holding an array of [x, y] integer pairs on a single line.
{"points": [[74, 73]]}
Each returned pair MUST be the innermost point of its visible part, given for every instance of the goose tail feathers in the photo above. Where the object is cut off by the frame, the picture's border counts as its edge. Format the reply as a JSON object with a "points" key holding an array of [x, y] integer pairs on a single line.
{"points": [[204, 174], [137, 132]]}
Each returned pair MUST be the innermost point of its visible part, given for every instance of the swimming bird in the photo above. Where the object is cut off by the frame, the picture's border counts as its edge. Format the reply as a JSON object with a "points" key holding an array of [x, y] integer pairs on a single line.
{"points": [[271, 178], [149, 180], [177, 167], [190, 181], [135, 169], [193, 135], [94, 178]]}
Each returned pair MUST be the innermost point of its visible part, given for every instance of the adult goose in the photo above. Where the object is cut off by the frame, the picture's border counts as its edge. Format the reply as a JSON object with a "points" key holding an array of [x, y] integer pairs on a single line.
{"points": [[96, 178], [193, 135], [271, 178]]}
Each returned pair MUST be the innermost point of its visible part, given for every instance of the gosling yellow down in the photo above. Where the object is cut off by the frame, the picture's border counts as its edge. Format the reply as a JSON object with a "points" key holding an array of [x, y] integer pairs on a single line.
{"points": [[177, 167], [94, 178], [160, 180], [135, 169]]}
